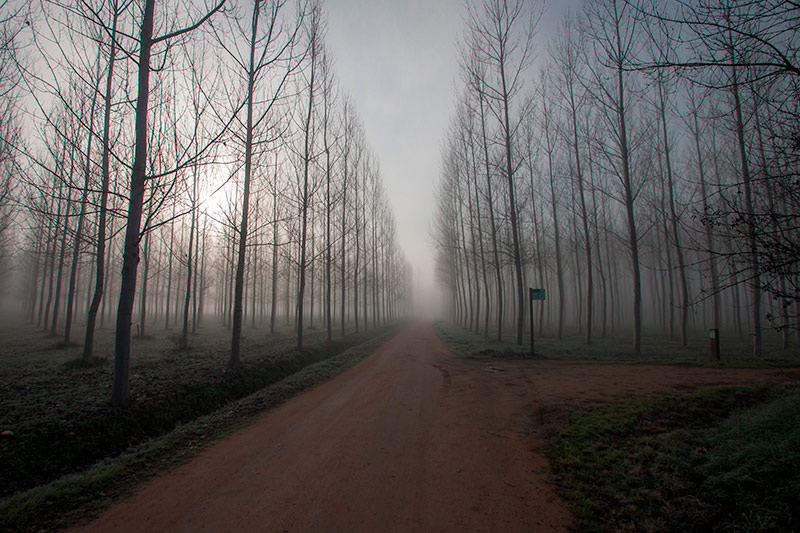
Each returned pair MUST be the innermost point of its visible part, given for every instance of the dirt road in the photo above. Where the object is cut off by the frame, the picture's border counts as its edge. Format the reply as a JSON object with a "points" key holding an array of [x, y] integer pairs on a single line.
{"points": [[414, 438]]}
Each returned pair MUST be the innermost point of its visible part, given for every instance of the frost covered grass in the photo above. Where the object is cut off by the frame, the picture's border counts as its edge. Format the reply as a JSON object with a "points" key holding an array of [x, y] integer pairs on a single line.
{"points": [[66, 447], [714, 460], [655, 349]]}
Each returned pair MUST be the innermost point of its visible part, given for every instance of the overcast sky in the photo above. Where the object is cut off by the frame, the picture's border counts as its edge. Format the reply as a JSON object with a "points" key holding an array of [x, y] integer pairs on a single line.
{"points": [[398, 60]]}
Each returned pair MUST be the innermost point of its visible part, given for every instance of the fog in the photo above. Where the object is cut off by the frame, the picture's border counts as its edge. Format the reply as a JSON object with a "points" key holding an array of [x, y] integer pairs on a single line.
{"points": [[637, 167], [373, 181], [387, 265], [400, 62]]}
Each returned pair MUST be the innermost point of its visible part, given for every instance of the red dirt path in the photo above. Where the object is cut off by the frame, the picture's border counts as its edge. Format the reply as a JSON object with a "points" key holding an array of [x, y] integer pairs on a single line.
{"points": [[414, 438]]}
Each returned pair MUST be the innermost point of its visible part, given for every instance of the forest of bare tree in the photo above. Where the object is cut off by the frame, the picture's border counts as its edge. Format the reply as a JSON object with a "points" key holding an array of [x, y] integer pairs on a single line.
{"points": [[418, 265], [641, 166], [172, 165]]}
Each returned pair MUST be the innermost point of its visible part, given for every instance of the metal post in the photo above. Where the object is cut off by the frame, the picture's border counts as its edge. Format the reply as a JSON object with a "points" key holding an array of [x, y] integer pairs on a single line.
{"points": [[530, 303], [713, 335]]}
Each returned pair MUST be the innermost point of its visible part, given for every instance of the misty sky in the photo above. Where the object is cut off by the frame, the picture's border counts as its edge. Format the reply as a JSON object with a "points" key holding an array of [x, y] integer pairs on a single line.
{"points": [[399, 62]]}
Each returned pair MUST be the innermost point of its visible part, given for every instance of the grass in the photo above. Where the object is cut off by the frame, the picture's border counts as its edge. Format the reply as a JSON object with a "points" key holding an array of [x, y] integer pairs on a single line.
{"points": [[55, 407], [79, 496], [714, 460], [655, 349]]}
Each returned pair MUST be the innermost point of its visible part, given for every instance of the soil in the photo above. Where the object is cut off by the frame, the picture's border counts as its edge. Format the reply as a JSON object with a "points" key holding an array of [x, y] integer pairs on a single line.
{"points": [[413, 438]]}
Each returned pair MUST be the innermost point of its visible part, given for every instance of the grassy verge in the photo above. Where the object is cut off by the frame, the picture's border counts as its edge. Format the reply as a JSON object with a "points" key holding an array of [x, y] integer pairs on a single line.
{"points": [[61, 422], [80, 495], [713, 460], [655, 349]]}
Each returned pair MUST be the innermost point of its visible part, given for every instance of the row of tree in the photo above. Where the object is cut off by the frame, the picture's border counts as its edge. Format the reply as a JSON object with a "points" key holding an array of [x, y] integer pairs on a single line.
{"points": [[199, 163], [647, 174]]}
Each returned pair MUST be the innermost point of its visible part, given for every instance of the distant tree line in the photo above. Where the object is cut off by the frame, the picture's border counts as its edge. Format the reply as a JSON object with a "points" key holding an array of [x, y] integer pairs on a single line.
{"points": [[164, 164], [644, 170]]}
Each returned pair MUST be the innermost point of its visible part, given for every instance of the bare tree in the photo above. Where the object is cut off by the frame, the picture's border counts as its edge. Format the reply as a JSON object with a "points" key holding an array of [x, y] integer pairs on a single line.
{"points": [[568, 60], [273, 48], [612, 31], [87, 174], [328, 141], [474, 74], [314, 30], [122, 344], [11, 25], [504, 46], [102, 220], [547, 129]]}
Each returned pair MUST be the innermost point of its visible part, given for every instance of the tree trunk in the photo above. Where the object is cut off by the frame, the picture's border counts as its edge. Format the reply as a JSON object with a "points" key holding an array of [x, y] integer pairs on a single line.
{"points": [[633, 239], [584, 217], [480, 239], [108, 278], [346, 154], [512, 207], [183, 343], [305, 198], [493, 226], [328, 209], [755, 267], [63, 249], [76, 248], [674, 219], [143, 296], [712, 255], [556, 227], [130, 262], [54, 245], [274, 295], [235, 362]]}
